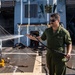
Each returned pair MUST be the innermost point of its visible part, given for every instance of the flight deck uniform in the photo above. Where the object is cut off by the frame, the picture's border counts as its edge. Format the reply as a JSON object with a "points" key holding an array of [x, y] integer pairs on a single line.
{"points": [[56, 41]]}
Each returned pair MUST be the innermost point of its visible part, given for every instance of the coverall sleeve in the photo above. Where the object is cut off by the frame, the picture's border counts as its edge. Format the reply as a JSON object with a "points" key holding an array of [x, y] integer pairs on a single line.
{"points": [[43, 37], [68, 39]]}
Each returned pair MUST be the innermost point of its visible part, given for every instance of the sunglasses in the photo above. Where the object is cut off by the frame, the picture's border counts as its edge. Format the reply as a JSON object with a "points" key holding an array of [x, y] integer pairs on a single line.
{"points": [[53, 20]]}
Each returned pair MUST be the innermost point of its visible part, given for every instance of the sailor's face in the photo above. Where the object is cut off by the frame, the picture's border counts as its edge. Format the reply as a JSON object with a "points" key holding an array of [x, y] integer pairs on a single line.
{"points": [[53, 21]]}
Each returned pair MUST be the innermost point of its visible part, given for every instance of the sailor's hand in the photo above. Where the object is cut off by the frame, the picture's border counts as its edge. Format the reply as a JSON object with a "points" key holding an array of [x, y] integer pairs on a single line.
{"points": [[29, 36], [68, 55], [33, 37]]}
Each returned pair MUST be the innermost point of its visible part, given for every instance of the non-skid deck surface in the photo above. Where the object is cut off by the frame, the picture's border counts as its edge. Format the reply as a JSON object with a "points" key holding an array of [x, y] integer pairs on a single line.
{"points": [[24, 62]]}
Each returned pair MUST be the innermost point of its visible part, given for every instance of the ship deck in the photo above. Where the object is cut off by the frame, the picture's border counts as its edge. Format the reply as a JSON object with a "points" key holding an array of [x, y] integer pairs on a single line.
{"points": [[25, 61]]}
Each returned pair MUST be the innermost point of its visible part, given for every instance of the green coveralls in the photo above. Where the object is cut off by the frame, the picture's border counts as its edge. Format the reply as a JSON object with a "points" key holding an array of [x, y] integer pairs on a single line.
{"points": [[56, 41]]}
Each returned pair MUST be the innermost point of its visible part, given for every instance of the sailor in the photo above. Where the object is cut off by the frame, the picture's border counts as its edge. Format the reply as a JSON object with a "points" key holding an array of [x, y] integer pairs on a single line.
{"points": [[56, 36]]}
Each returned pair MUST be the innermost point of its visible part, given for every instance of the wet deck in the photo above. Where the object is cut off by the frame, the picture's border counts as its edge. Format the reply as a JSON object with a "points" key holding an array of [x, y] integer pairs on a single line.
{"points": [[25, 62]]}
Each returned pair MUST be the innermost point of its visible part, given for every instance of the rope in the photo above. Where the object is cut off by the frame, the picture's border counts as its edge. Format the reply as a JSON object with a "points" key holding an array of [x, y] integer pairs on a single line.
{"points": [[3, 30]]}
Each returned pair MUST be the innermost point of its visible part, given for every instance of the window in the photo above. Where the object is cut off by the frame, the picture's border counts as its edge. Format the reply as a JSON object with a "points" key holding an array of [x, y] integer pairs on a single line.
{"points": [[32, 12]]}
